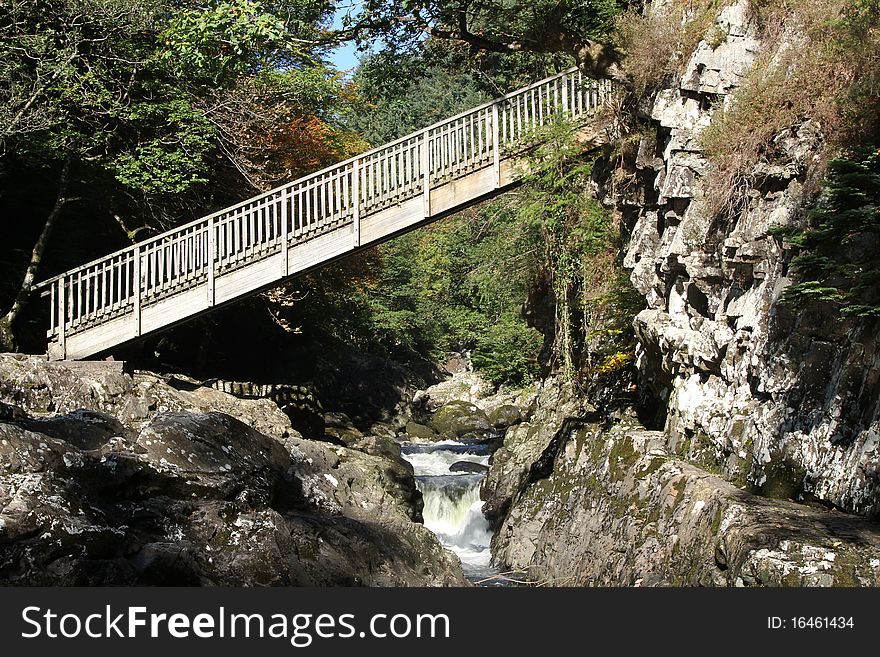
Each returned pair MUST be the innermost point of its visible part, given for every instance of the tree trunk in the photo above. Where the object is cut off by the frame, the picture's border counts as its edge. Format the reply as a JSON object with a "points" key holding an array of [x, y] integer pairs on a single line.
{"points": [[36, 258]]}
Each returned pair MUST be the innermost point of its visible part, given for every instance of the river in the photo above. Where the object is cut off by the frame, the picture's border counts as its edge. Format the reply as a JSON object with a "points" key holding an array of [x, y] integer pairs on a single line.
{"points": [[452, 500]]}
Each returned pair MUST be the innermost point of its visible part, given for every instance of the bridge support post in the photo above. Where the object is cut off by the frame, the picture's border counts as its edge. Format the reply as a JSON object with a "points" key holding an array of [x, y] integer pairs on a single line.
{"points": [[136, 290], [496, 147], [211, 256], [285, 231], [356, 202], [426, 174]]}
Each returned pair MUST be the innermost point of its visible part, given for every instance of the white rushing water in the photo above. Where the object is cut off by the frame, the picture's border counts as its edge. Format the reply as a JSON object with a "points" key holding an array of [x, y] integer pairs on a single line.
{"points": [[452, 501]]}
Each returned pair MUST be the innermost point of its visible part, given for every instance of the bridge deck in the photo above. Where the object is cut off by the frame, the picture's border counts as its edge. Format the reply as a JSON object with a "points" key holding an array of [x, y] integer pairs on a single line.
{"points": [[279, 234]]}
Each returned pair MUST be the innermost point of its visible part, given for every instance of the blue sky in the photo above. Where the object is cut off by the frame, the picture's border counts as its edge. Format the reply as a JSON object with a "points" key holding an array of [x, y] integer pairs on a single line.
{"points": [[345, 57]]}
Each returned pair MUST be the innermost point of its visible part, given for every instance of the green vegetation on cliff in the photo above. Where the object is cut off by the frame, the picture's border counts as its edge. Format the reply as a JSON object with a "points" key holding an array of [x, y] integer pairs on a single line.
{"points": [[838, 264]]}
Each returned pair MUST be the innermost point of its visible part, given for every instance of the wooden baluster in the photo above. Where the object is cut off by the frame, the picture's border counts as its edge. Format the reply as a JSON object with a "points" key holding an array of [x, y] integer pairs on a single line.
{"points": [[62, 316], [233, 236], [307, 215], [372, 181], [209, 264], [184, 254], [389, 176], [160, 266], [52, 310], [103, 301], [336, 198], [246, 232], [87, 285], [556, 106], [136, 289], [285, 231], [468, 129], [496, 145], [544, 105], [167, 262], [77, 317], [151, 270], [520, 110], [113, 289], [396, 170], [113, 276], [174, 272], [468, 141], [355, 201], [404, 169], [125, 283], [565, 108], [456, 147], [446, 146], [426, 174], [230, 222]]}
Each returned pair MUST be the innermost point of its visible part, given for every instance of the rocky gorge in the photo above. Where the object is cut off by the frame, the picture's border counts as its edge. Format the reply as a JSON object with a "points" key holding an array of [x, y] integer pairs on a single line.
{"points": [[751, 454], [741, 447]]}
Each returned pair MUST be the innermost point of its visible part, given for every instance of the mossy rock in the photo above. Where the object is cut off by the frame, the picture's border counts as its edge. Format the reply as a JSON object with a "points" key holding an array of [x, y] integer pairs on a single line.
{"points": [[345, 436], [458, 418], [505, 416], [420, 431]]}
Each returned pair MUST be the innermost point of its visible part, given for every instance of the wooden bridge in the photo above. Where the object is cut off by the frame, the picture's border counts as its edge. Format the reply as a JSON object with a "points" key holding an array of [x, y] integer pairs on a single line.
{"points": [[301, 225]]}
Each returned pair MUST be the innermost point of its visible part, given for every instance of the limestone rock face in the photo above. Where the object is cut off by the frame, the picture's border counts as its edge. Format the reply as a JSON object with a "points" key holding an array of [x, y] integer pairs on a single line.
{"points": [[617, 509], [151, 485], [525, 443], [780, 401], [463, 386]]}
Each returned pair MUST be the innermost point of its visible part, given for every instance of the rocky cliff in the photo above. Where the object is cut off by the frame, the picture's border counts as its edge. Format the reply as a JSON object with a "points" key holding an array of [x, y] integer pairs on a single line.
{"points": [[755, 407], [784, 402], [580, 498], [112, 478]]}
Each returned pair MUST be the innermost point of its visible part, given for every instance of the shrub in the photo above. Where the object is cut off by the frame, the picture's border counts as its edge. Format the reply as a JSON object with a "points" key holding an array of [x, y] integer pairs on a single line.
{"points": [[508, 351], [839, 264]]}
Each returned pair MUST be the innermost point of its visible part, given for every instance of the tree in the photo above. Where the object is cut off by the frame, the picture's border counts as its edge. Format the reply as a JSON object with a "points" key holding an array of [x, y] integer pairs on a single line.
{"points": [[578, 29], [148, 110]]}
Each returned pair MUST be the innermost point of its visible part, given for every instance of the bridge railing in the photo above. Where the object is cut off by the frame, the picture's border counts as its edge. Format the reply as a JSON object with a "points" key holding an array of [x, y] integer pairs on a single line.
{"points": [[195, 253]]}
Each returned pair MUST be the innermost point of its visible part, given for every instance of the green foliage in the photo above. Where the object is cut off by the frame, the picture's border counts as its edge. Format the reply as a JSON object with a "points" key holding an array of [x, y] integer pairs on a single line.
{"points": [[165, 110], [233, 37], [175, 160], [594, 300], [840, 262], [540, 26], [432, 95], [508, 351], [462, 284]]}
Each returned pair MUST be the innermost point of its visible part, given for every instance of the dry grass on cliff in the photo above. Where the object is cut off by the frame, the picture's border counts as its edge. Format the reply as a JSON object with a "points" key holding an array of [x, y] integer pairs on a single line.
{"points": [[657, 45], [820, 64]]}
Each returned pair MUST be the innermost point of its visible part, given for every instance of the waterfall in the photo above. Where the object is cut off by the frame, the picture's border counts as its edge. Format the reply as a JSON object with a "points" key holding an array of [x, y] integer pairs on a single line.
{"points": [[452, 500]]}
